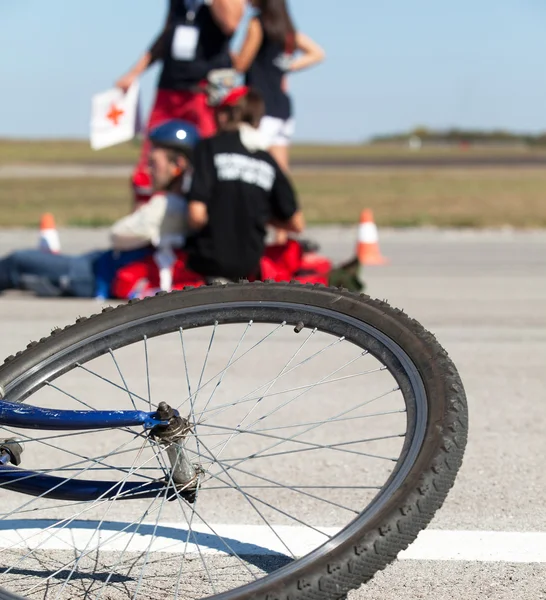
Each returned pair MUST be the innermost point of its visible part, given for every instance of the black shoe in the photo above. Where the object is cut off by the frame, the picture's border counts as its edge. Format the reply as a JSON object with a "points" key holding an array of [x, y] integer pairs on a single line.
{"points": [[346, 276], [309, 246]]}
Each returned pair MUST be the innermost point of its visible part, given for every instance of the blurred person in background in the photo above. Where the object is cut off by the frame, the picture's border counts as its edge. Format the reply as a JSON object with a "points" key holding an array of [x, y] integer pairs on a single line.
{"points": [[150, 231], [194, 42], [272, 49], [237, 189]]}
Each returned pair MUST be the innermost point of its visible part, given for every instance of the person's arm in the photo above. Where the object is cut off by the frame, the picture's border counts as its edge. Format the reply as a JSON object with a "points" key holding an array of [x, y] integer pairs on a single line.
{"points": [[198, 215], [286, 213], [250, 47], [140, 228], [154, 53], [202, 186], [228, 14], [295, 224], [312, 53], [127, 80]]}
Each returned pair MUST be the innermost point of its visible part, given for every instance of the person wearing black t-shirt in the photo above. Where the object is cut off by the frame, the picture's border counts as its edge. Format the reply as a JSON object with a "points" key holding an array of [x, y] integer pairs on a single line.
{"points": [[194, 42], [237, 190], [267, 56]]}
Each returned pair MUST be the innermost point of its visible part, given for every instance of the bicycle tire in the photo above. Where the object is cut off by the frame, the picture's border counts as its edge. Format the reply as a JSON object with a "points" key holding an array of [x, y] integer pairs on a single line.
{"points": [[355, 558]]}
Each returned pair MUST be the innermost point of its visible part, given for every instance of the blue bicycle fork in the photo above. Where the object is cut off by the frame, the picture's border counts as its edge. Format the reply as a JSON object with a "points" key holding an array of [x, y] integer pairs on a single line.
{"points": [[164, 426]]}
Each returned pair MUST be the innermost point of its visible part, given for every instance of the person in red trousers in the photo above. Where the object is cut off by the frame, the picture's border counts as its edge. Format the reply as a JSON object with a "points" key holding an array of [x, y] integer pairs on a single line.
{"points": [[194, 42]]}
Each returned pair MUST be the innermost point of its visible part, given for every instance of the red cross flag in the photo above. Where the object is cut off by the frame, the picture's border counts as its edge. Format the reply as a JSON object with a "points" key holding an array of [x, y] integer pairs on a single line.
{"points": [[115, 117]]}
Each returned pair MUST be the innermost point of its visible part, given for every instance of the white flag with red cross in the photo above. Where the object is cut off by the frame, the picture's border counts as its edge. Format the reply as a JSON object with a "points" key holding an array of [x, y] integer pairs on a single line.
{"points": [[115, 117]]}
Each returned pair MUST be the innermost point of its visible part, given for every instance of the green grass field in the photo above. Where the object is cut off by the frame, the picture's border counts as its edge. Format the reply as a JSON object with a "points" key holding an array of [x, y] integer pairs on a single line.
{"points": [[73, 151], [400, 198]]}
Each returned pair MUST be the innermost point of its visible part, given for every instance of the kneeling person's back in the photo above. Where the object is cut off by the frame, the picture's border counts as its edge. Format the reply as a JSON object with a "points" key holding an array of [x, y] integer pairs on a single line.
{"points": [[237, 189]]}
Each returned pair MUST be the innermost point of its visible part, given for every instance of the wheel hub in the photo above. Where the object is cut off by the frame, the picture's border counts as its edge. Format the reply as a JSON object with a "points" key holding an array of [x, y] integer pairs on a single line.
{"points": [[184, 475]]}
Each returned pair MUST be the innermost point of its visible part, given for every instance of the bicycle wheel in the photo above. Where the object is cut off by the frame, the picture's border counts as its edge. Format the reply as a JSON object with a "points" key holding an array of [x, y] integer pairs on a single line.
{"points": [[324, 429]]}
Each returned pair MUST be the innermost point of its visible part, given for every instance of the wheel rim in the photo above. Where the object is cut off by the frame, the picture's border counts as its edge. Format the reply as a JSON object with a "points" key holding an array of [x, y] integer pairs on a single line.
{"points": [[267, 315]]}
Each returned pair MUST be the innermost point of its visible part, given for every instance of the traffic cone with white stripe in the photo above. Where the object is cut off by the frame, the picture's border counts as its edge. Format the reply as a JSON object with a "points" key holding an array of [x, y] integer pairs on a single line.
{"points": [[49, 237], [367, 250]]}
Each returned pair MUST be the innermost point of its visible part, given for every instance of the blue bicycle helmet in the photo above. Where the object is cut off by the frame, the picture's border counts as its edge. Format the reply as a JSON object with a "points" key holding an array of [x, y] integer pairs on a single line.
{"points": [[177, 135]]}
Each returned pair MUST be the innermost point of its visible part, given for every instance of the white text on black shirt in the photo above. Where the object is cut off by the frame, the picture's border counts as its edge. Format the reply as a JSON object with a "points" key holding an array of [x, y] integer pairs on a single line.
{"points": [[237, 167]]}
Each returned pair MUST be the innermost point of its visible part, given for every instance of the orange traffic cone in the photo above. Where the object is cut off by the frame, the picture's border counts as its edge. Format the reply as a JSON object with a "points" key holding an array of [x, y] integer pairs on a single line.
{"points": [[367, 250], [49, 237]]}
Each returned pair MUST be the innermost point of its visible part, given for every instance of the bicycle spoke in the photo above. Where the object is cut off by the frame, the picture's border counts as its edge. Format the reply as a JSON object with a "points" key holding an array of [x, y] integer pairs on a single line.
{"points": [[122, 378], [220, 373], [156, 524], [302, 387], [293, 489], [52, 385], [296, 487], [75, 566], [230, 361], [196, 541], [248, 497], [206, 359], [337, 446], [147, 373], [186, 545], [298, 396], [112, 383], [129, 541], [120, 532], [273, 382], [71, 453], [246, 398], [295, 436], [275, 508], [185, 364], [65, 522], [307, 390]]}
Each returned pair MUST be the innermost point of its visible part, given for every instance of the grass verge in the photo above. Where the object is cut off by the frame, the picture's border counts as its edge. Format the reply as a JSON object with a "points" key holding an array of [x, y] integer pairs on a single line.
{"points": [[399, 198], [79, 151]]}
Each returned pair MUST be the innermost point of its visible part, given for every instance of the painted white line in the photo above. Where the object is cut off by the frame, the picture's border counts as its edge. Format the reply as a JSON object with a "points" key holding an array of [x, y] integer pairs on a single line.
{"points": [[478, 546], [472, 546]]}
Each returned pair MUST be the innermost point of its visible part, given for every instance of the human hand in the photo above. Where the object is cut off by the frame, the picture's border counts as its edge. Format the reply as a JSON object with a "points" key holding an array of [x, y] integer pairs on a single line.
{"points": [[125, 82]]}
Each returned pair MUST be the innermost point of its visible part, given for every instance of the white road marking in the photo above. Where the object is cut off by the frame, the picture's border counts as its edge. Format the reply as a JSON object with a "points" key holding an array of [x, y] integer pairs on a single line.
{"points": [[478, 546], [472, 546]]}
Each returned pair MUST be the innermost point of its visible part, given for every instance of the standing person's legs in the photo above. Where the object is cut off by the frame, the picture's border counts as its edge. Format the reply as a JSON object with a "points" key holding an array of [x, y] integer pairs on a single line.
{"points": [[205, 122], [47, 274], [278, 136], [171, 104]]}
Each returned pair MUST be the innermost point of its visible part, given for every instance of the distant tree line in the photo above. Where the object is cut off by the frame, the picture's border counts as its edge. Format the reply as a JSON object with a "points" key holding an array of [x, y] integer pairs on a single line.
{"points": [[462, 136]]}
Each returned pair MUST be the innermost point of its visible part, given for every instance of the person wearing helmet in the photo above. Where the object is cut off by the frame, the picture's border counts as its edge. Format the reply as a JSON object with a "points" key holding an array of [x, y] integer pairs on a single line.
{"points": [[152, 230], [237, 190], [162, 221], [194, 42]]}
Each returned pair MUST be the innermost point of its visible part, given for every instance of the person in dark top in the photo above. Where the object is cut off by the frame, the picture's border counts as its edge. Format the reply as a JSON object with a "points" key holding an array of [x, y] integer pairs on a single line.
{"points": [[267, 55], [237, 190], [194, 42]]}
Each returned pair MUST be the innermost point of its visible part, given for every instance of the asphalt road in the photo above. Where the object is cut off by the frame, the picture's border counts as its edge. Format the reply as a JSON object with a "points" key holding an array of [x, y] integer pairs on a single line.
{"points": [[484, 296]]}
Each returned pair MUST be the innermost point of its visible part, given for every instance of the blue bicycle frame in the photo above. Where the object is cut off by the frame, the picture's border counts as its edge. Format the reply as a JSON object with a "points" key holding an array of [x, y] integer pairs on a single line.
{"points": [[22, 416]]}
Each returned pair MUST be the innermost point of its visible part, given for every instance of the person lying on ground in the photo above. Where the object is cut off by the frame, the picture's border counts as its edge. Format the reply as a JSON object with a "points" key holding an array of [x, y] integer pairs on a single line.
{"points": [[160, 224]]}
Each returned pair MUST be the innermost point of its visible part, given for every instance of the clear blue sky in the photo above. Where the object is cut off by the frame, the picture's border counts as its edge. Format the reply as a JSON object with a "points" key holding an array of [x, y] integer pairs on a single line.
{"points": [[390, 65]]}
